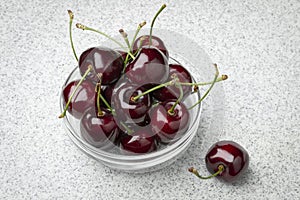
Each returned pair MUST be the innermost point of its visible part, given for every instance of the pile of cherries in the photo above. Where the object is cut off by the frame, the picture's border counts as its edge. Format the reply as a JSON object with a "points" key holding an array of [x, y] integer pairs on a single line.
{"points": [[134, 98], [126, 112]]}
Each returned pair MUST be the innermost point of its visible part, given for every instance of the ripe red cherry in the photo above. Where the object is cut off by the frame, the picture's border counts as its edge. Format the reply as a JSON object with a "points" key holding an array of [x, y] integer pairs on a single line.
{"points": [[127, 109], [141, 141], [100, 131], [226, 160], [83, 98], [231, 155], [156, 42], [172, 92], [169, 126], [105, 61], [149, 67]]}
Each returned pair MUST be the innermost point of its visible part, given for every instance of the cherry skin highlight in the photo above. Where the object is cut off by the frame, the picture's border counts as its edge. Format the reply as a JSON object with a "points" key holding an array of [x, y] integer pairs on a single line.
{"points": [[231, 155]]}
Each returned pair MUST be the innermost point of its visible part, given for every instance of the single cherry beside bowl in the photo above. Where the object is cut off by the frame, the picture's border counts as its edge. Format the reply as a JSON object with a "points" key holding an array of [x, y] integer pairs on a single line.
{"points": [[226, 160]]}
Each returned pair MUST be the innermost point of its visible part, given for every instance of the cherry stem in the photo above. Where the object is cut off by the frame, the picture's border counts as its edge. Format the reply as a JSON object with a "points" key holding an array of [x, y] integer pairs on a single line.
{"points": [[125, 62], [100, 113], [209, 89], [222, 78], [125, 36], [99, 96], [132, 43], [83, 27], [70, 32], [171, 110], [153, 89], [137, 32], [221, 168], [152, 23], [129, 131], [141, 43], [90, 67], [107, 105]]}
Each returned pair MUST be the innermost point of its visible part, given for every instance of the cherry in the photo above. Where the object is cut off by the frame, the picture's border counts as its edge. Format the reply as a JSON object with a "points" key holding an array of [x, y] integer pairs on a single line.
{"points": [[226, 160], [144, 41], [167, 124], [171, 91], [127, 109], [99, 130], [149, 67], [105, 61], [84, 97], [141, 141]]}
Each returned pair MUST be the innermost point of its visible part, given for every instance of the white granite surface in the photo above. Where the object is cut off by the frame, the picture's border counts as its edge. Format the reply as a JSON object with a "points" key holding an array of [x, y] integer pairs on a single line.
{"points": [[255, 42]]}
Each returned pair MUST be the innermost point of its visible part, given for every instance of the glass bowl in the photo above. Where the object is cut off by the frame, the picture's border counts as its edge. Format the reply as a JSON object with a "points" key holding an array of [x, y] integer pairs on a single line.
{"points": [[182, 50]]}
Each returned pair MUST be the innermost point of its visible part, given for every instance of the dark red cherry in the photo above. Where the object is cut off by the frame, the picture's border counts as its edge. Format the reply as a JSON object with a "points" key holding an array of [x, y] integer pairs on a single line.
{"points": [[149, 67], [127, 109], [141, 141], [156, 42], [231, 155], [105, 61], [100, 131], [169, 126], [173, 92], [83, 98]]}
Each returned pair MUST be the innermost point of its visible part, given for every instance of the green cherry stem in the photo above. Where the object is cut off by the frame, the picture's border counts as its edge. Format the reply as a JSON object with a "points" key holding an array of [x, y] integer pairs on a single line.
{"points": [[152, 89], [131, 46], [137, 32], [222, 78], [83, 27], [63, 114], [152, 23], [125, 63], [209, 89], [99, 96], [100, 113], [107, 105], [125, 36], [171, 110], [221, 168], [70, 32]]}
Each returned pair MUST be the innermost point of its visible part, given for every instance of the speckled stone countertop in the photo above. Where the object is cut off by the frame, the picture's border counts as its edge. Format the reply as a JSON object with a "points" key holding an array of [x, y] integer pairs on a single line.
{"points": [[255, 42]]}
